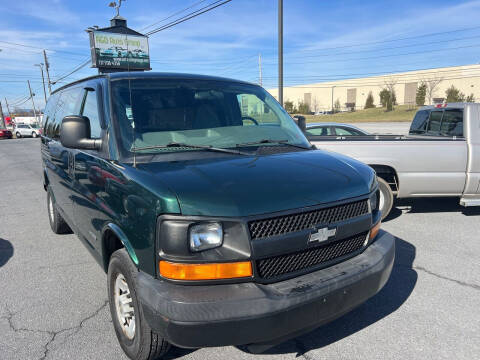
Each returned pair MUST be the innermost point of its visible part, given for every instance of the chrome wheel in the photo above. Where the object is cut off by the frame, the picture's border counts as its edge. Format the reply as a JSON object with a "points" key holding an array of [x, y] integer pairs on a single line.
{"points": [[50, 209], [381, 201], [124, 306]]}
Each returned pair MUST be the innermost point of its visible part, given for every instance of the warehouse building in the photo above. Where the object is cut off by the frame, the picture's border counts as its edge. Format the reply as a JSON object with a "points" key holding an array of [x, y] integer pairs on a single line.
{"points": [[352, 93]]}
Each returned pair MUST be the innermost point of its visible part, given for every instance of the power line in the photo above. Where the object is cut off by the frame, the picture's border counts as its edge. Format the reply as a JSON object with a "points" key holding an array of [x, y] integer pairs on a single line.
{"points": [[391, 40], [40, 48], [384, 56], [172, 15], [189, 16], [392, 48], [79, 67]]}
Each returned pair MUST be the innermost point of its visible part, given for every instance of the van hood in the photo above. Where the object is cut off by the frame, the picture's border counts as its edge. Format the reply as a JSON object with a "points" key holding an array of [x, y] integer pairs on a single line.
{"points": [[252, 185]]}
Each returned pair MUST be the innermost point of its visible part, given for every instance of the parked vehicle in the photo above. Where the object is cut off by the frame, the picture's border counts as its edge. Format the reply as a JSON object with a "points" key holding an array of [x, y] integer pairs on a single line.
{"points": [[5, 134], [138, 53], [333, 129], [26, 130], [216, 224], [440, 157]]}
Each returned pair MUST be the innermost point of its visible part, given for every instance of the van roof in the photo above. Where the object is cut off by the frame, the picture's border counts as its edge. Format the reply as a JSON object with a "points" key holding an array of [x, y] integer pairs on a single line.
{"points": [[149, 75]]}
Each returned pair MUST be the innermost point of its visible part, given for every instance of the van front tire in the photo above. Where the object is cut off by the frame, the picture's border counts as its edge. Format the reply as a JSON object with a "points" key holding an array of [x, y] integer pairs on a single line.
{"points": [[142, 343]]}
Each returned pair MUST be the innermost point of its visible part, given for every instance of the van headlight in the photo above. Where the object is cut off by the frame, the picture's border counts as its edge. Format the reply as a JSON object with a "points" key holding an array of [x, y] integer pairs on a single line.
{"points": [[205, 236]]}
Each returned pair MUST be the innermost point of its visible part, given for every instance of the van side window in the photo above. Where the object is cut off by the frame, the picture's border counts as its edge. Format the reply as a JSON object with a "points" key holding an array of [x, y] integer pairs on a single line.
{"points": [[69, 103], [419, 123], [48, 112], [452, 123], [433, 127], [90, 110]]}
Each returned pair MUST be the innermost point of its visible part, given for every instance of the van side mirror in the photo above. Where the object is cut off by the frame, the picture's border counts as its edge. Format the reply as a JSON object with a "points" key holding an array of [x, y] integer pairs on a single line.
{"points": [[75, 133]]}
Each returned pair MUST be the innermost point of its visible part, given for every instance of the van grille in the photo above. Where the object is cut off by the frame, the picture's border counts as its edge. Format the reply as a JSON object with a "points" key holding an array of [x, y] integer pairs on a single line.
{"points": [[296, 222], [283, 264]]}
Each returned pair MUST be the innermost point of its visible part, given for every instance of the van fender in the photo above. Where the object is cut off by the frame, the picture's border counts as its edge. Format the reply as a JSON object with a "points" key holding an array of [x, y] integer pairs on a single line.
{"points": [[123, 239]]}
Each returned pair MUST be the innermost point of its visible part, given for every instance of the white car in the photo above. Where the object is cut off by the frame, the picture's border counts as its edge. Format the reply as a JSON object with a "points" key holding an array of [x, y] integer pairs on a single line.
{"points": [[25, 130]]}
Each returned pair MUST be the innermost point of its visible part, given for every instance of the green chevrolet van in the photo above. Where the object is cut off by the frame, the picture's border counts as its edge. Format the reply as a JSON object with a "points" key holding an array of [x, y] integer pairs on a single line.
{"points": [[215, 219]]}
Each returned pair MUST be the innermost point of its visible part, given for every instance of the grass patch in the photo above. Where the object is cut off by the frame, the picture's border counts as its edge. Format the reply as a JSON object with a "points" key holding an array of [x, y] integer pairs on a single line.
{"points": [[401, 113]]}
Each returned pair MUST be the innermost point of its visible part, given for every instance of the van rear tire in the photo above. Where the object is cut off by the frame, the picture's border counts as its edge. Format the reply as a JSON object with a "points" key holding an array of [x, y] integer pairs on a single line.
{"points": [[57, 223], [386, 197]]}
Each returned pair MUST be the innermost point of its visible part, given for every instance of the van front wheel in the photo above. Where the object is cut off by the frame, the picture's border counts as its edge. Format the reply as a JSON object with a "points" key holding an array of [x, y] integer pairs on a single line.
{"points": [[136, 338]]}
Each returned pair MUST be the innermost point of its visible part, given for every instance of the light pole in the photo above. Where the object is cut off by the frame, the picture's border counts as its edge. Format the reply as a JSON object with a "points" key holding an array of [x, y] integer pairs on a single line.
{"points": [[43, 81]]}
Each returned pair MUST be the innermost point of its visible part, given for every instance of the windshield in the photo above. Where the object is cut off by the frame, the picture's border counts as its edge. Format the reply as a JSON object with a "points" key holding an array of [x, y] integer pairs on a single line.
{"points": [[157, 112]]}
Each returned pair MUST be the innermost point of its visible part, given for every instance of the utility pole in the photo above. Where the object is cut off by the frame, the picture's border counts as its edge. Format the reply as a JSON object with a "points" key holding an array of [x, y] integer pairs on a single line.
{"points": [[8, 108], [33, 102], [47, 66], [260, 69], [43, 81], [280, 52], [2, 119]]}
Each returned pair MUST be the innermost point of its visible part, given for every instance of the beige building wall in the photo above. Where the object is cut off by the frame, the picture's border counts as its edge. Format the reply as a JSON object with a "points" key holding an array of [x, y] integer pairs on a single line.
{"points": [[320, 95]]}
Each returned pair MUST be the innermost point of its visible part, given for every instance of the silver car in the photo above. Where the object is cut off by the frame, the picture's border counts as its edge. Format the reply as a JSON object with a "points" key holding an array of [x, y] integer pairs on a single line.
{"points": [[26, 130], [333, 129]]}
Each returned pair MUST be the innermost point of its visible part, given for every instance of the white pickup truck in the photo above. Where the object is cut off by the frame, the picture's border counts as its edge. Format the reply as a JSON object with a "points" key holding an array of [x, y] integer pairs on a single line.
{"points": [[439, 157]]}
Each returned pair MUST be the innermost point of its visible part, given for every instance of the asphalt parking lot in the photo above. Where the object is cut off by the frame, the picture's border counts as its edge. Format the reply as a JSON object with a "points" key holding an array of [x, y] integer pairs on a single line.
{"points": [[53, 302]]}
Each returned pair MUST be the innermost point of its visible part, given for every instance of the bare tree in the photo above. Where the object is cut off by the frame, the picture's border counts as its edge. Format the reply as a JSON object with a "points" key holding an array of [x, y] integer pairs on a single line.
{"points": [[389, 84], [432, 86]]}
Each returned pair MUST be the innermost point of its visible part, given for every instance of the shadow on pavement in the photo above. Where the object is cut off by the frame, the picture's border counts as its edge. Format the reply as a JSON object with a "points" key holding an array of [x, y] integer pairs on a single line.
{"points": [[6, 251], [430, 205], [176, 353], [395, 292]]}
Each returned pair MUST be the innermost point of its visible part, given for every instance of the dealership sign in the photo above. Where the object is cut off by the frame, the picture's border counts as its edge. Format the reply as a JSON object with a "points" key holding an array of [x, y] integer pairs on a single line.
{"points": [[119, 51]]}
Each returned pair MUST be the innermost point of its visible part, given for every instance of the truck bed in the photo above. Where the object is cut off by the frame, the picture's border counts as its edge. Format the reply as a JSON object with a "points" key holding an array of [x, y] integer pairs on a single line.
{"points": [[381, 137]]}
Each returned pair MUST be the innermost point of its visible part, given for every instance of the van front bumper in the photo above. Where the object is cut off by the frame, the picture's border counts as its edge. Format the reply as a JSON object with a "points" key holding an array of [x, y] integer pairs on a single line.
{"points": [[252, 313]]}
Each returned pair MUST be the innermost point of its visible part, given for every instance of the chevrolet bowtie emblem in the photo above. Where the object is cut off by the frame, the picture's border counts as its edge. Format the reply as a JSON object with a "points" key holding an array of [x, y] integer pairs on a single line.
{"points": [[322, 234]]}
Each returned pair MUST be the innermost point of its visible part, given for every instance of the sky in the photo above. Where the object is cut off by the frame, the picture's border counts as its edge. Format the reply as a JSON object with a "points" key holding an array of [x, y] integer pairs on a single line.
{"points": [[323, 40]]}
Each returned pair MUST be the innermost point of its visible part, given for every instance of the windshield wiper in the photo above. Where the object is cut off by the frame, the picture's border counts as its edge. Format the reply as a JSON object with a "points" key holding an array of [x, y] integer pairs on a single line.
{"points": [[179, 144], [270, 141]]}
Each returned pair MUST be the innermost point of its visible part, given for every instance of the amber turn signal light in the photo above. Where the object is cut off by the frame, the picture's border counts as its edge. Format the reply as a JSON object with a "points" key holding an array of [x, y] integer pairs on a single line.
{"points": [[374, 230], [180, 271]]}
